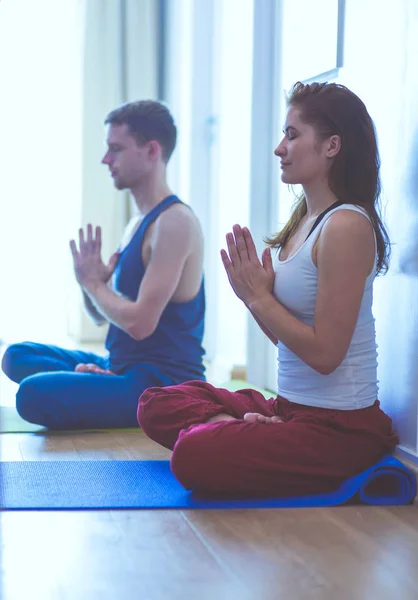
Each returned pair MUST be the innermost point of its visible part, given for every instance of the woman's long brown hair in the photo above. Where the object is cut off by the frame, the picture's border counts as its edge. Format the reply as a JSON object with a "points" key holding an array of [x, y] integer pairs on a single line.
{"points": [[332, 109]]}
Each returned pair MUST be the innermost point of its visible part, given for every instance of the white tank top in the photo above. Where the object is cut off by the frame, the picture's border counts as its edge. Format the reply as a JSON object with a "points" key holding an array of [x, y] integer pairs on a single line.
{"points": [[353, 384]]}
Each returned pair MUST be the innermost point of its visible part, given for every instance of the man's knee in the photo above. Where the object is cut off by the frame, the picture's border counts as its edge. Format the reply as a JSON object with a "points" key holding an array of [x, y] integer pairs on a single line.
{"points": [[12, 359], [28, 399]]}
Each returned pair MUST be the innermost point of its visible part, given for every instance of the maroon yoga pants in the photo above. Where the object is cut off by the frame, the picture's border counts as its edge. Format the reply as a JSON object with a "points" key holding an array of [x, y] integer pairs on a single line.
{"points": [[314, 450]]}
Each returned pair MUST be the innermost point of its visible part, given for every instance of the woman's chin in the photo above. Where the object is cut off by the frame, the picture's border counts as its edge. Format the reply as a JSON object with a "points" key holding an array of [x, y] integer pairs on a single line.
{"points": [[287, 179]]}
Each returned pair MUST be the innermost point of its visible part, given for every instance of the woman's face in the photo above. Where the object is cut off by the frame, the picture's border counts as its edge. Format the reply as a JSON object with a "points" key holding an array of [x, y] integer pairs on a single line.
{"points": [[304, 158]]}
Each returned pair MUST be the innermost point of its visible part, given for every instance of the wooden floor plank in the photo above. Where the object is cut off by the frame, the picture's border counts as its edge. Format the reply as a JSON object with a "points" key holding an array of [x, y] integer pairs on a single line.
{"points": [[304, 553], [344, 553], [107, 555], [108, 445], [47, 447], [81, 446]]}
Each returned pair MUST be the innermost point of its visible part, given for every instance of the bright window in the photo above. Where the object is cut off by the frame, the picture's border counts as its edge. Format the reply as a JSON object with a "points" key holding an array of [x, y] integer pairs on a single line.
{"points": [[40, 182]]}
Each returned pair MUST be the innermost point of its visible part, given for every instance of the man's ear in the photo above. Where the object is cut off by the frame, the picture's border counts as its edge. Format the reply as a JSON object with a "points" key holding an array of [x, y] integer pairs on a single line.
{"points": [[334, 146], [154, 149]]}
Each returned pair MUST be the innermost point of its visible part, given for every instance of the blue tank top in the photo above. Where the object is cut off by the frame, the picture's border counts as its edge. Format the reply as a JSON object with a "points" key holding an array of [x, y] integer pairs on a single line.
{"points": [[176, 344]]}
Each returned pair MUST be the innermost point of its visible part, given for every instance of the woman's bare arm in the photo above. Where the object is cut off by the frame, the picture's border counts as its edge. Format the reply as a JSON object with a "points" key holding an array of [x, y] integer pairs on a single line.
{"points": [[345, 256]]}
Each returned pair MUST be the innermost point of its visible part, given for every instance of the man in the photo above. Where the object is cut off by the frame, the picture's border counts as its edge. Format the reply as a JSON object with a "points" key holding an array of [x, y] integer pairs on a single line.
{"points": [[151, 293]]}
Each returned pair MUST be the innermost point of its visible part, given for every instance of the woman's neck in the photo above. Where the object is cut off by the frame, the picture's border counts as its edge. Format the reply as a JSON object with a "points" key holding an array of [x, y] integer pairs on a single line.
{"points": [[319, 197]]}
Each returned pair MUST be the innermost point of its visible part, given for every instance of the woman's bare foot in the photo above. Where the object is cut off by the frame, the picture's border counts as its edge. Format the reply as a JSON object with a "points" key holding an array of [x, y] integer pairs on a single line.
{"points": [[258, 418], [221, 417], [249, 417], [92, 368]]}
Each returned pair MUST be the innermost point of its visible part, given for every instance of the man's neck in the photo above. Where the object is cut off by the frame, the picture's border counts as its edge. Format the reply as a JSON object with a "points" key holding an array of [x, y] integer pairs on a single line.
{"points": [[148, 196]]}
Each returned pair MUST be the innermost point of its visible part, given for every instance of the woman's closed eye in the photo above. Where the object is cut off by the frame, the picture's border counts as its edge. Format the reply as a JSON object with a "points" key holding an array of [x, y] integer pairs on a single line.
{"points": [[289, 133]]}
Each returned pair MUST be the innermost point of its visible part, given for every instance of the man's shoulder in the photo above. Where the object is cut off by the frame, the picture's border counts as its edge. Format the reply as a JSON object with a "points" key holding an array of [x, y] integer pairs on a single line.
{"points": [[178, 217]]}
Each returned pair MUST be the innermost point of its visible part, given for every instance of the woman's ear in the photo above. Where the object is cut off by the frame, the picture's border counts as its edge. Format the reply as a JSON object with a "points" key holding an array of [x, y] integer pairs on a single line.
{"points": [[334, 146]]}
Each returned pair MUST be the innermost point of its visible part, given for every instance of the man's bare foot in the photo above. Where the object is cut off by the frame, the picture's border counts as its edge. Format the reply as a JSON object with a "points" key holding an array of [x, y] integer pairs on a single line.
{"points": [[92, 368], [221, 417], [258, 418]]}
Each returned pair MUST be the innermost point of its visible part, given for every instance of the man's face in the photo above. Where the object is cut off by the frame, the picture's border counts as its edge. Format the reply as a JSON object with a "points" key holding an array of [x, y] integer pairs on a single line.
{"points": [[128, 161]]}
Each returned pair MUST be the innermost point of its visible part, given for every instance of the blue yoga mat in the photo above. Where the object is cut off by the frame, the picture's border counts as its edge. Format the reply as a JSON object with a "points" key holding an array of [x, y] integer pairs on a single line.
{"points": [[150, 484]]}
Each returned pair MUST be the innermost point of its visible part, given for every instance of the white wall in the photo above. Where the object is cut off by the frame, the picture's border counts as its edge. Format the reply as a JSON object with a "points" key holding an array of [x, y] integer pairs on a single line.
{"points": [[381, 50]]}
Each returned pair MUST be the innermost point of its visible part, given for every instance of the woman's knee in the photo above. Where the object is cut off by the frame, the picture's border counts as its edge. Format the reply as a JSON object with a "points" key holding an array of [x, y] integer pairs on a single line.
{"points": [[163, 412], [195, 461], [153, 414], [149, 405]]}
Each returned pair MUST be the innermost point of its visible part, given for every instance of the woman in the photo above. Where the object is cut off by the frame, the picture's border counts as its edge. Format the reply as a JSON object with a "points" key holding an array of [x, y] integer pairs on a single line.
{"points": [[315, 303]]}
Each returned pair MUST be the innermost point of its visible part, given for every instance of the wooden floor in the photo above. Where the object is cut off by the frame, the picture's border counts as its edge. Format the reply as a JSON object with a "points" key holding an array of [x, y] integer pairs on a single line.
{"points": [[350, 553]]}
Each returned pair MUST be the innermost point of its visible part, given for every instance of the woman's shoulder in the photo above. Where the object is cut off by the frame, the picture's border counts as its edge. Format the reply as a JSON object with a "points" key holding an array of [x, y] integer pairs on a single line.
{"points": [[348, 217], [348, 233]]}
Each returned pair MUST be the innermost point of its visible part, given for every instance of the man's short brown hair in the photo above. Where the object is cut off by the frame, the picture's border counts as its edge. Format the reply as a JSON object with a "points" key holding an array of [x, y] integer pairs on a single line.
{"points": [[147, 120]]}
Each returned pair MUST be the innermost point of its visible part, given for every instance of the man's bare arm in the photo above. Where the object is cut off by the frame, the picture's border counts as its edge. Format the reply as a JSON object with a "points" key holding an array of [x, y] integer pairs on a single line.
{"points": [[92, 311], [171, 246]]}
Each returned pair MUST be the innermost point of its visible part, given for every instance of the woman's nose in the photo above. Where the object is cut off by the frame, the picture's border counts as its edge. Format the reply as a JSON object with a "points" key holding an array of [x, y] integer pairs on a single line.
{"points": [[281, 149]]}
